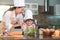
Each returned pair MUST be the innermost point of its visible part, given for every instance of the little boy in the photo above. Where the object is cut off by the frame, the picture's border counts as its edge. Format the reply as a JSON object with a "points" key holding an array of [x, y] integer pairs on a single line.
{"points": [[28, 27]]}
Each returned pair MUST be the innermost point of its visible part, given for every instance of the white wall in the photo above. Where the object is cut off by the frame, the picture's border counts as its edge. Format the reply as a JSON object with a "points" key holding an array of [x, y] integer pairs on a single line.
{"points": [[40, 2], [51, 2], [57, 9], [31, 1], [6, 2], [54, 2], [11, 1]]}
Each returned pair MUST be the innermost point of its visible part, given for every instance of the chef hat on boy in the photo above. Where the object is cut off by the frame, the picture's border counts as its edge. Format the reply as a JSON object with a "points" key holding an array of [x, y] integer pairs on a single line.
{"points": [[28, 14]]}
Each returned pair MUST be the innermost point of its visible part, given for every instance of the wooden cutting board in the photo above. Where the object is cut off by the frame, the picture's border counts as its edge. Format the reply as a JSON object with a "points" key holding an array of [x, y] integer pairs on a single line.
{"points": [[15, 33]]}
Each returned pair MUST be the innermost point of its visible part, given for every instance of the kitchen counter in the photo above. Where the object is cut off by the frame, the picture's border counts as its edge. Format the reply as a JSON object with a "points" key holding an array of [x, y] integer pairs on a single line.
{"points": [[11, 37], [23, 37], [15, 37]]}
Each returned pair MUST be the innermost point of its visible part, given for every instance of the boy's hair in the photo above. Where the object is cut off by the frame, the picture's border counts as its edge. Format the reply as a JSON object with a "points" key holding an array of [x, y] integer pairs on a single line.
{"points": [[28, 20]]}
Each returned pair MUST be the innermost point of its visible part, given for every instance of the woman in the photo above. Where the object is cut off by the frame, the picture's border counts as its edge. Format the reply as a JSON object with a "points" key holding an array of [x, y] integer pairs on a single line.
{"points": [[13, 17]]}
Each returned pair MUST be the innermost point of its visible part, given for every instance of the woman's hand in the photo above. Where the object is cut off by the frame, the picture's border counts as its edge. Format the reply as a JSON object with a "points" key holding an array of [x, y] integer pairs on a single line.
{"points": [[20, 23], [16, 25]]}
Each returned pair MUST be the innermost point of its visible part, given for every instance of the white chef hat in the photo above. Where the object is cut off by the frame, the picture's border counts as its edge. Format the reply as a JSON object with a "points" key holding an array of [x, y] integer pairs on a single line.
{"points": [[19, 3], [28, 14]]}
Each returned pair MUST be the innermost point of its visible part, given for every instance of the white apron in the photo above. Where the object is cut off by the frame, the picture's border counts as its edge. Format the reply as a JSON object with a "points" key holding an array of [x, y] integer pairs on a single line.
{"points": [[9, 16]]}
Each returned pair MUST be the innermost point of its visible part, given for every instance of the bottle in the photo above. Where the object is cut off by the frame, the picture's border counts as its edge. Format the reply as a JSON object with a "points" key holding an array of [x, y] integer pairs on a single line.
{"points": [[40, 34]]}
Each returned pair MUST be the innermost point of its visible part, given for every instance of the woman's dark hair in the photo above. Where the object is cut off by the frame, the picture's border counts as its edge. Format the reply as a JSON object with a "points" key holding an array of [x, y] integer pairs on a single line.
{"points": [[11, 9]]}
